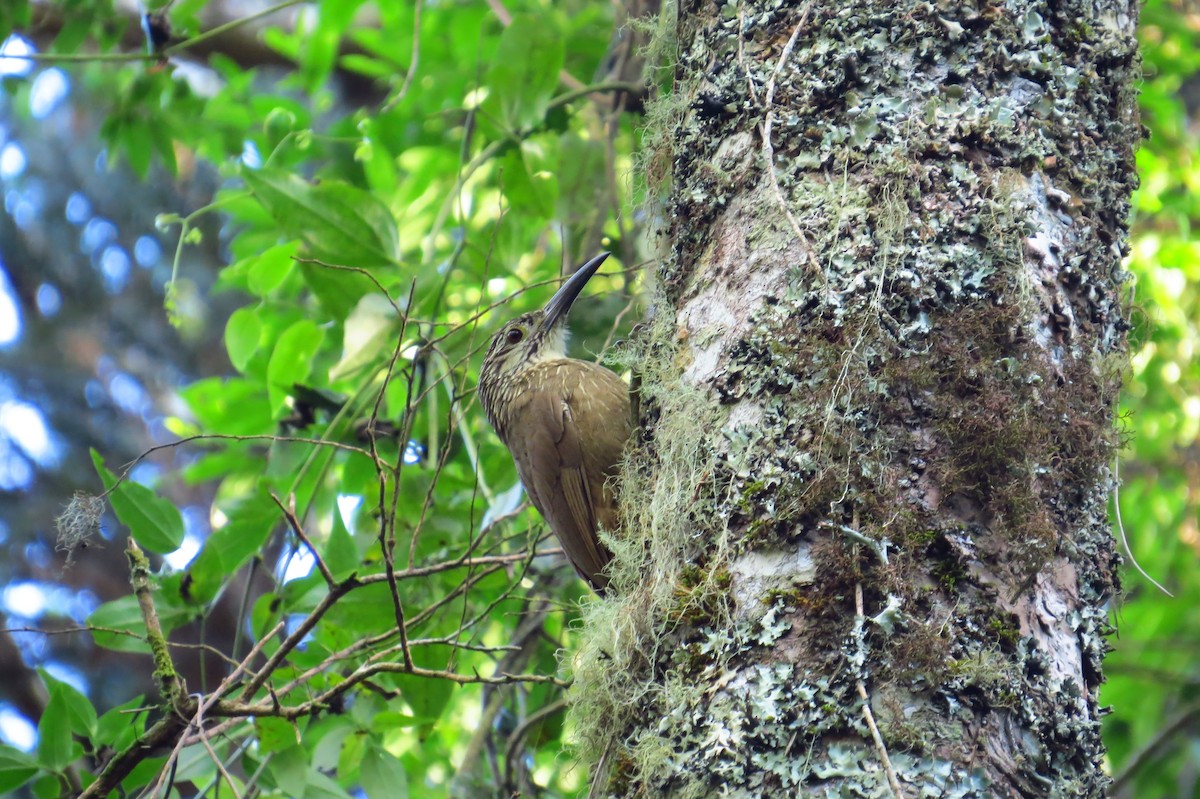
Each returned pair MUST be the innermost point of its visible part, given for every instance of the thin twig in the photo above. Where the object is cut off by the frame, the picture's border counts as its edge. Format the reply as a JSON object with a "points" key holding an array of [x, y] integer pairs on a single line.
{"points": [[880, 748], [212, 33], [128, 467], [412, 64], [400, 312], [204, 706], [769, 149], [1137, 760], [1121, 528], [387, 519], [289, 513], [198, 724], [518, 735]]}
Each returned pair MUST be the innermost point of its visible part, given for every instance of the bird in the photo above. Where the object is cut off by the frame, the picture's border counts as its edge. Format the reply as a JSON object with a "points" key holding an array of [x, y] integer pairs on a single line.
{"points": [[564, 421]]}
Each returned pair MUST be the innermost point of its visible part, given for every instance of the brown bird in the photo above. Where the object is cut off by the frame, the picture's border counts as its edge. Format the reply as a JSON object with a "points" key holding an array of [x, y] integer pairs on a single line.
{"points": [[565, 421]]}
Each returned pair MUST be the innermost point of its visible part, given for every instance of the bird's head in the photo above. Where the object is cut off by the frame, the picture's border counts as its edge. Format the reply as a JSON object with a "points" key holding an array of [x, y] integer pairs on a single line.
{"points": [[537, 336]]}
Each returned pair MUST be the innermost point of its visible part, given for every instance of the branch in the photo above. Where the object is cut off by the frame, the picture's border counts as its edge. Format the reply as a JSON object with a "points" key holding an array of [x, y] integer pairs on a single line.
{"points": [[162, 733], [289, 513], [170, 684]]}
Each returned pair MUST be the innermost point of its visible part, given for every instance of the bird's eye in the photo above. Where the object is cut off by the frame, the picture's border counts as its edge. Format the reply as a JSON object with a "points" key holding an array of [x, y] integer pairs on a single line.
{"points": [[514, 335]]}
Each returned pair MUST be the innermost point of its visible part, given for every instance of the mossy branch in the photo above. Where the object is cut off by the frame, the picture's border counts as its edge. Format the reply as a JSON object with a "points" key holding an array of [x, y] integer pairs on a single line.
{"points": [[170, 684]]}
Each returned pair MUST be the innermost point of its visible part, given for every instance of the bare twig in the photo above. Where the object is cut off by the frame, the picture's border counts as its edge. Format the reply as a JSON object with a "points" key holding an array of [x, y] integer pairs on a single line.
{"points": [[1121, 529], [412, 64], [1143, 756], [127, 468], [387, 517], [289, 513], [880, 748], [198, 712], [518, 735], [198, 725], [769, 149]]}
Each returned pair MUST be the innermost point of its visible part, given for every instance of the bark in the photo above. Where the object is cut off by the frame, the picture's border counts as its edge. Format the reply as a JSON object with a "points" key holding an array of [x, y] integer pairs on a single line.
{"points": [[876, 407]]}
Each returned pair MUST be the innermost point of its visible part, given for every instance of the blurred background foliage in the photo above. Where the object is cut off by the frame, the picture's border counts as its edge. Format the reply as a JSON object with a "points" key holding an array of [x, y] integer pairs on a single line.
{"points": [[424, 163], [1153, 686]]}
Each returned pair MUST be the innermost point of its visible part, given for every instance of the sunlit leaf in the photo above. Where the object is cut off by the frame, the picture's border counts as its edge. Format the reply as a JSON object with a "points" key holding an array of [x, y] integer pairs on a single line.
{"points": [[524, 72], [291, 360], [383, 774], [339, 223], [154, 522], [242, 332]]}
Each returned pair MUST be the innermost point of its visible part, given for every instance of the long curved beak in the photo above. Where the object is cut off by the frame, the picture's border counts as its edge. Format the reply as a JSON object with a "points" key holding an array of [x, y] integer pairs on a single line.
{"points": [[558, 306]]}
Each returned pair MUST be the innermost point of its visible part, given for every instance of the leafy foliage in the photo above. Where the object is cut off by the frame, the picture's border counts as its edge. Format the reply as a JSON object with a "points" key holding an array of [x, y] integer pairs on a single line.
{"points": [[371, 243]]}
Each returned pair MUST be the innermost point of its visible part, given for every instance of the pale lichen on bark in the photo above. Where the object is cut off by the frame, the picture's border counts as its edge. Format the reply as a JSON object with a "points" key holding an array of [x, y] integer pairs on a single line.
{"points": [[932, 368]]}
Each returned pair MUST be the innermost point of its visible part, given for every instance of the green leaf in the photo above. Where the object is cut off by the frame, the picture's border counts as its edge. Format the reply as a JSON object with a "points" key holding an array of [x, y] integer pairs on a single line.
{"points": [[524, 72], [14, 14], [79, 707], [427, 698], [291, 360], [54, 747], [383, 774], [337, 222], [529, 190], [276, 735], [119, 614], [322, 787], [268, 271], [341, 555], [581, 180], [365, 65], [251, 522], [333, 290], [75, 30], [152, 521], [392, 720], [366, 335], [242, 332], [47, 787], [320, 44], [233, 406], [351, 752], [264, 614], [164, 145], [16, 768], [119, 727], [137, 145], [289, 767], [279, 123]]}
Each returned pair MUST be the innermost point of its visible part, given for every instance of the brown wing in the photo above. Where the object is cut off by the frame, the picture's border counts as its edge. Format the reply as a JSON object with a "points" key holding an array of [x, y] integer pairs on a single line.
{"points": [[599, 400], [553, 470]]}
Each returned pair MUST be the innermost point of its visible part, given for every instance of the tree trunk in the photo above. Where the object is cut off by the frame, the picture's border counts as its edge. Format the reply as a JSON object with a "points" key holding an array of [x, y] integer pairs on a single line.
{"points": [[867, 549]]}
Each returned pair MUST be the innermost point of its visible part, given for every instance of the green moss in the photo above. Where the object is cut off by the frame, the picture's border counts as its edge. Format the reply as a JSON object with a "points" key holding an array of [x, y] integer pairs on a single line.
{"points": [[1006, 631]]}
